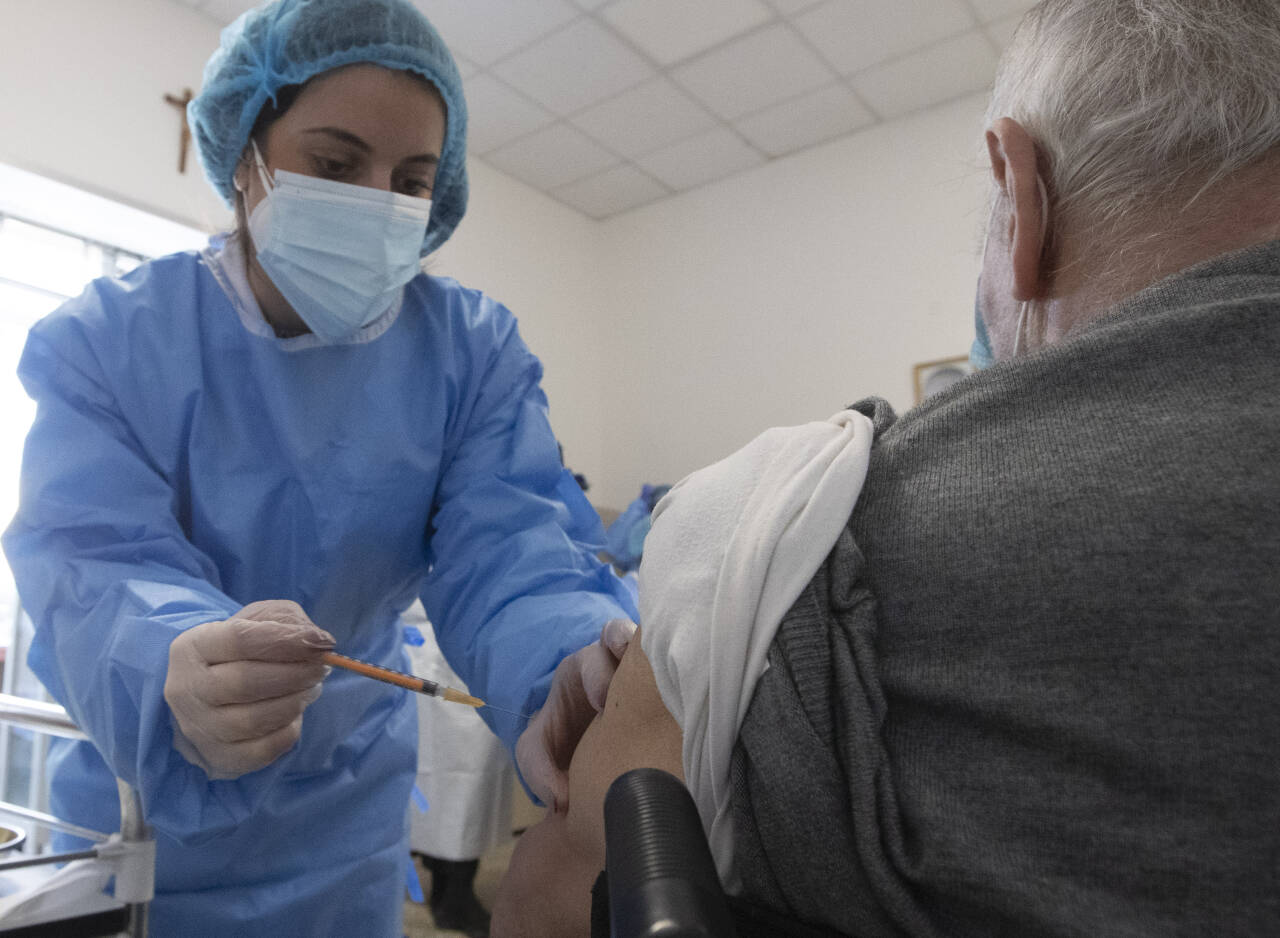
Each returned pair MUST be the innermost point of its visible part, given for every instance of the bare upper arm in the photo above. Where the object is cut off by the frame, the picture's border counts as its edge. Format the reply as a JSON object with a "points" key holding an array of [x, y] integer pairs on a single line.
{"points": [[547, 889]]}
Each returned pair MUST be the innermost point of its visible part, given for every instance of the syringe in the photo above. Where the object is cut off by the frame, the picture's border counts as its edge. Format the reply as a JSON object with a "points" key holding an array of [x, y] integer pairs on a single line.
{"points": [[407, 681]]}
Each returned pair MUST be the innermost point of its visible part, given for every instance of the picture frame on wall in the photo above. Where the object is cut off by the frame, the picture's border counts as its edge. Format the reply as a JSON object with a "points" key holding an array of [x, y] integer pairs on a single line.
{"points": [[932, 377]]}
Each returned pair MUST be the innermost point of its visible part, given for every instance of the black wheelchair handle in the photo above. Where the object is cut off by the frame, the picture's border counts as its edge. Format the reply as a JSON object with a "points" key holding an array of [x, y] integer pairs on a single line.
{"points": [[662, 880]]}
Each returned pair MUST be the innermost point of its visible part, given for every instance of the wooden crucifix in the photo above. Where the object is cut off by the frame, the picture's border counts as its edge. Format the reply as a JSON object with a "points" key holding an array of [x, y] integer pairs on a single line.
{"points": [[185, 140]]}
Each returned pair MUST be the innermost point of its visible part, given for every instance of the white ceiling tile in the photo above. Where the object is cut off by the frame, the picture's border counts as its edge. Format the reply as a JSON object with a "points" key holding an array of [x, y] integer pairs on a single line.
{"points": [[562, 91], [644, 119], [574, 68], [856, 34], [791, 7], [753, 72], [712, 155], [613, 191], [552, 157], [811, 118], [991, 10], [1001, 31], [673, 30], [496, 114], [944, 71], [487, 30]]}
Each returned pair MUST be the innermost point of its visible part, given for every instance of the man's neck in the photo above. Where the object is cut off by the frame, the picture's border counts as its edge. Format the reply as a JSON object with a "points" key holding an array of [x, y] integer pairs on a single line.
{"points": [[1240, 213]]}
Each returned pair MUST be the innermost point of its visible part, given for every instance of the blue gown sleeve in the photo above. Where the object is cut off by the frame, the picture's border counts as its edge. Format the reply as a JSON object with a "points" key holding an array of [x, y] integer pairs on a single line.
{"points": [[515, 585], [109, 579]]}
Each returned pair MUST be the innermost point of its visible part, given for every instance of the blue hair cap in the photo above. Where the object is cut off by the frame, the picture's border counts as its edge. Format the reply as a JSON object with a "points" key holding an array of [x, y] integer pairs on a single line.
{"points": [[288, 42]]}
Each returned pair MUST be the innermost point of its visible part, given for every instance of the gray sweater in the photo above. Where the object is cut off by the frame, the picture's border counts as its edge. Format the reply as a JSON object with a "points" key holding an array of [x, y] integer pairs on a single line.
{"points": [[1036, 688]]}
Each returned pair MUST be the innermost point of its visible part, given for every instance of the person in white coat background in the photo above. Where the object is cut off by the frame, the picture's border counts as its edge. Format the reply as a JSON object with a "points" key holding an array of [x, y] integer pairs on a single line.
{"points": [[466, 779]]}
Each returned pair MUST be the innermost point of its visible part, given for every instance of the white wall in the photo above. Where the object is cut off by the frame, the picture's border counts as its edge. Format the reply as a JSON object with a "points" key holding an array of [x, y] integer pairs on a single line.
{"points": [[539, 258], [780, 295], [84, 84], [671, 334]]}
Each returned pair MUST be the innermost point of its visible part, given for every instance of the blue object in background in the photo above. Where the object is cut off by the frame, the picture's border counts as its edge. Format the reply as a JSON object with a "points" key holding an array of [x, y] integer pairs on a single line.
{"points": [[412, 884], [624, 539], [420, 800]]}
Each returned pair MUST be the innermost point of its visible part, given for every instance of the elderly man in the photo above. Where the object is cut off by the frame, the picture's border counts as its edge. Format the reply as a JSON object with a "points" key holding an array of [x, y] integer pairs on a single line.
{"points": [[1034, 686]]}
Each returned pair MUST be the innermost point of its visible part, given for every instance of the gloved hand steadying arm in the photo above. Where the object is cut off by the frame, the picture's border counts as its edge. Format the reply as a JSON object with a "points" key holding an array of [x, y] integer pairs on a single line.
{"points": [[237, 688], [578, 692]]}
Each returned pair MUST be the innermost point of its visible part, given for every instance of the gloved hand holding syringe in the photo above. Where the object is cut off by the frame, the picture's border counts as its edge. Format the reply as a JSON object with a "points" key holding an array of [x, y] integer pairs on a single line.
{"points": [[237, 687]]}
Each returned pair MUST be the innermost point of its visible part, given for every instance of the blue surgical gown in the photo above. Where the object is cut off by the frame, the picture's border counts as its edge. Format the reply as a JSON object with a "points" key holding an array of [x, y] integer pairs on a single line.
{"points": [[181, 466]]}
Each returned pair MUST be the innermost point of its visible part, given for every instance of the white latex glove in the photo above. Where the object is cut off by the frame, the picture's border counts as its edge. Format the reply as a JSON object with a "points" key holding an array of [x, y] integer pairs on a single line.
{"points": [[578, 691], [237, 688]]}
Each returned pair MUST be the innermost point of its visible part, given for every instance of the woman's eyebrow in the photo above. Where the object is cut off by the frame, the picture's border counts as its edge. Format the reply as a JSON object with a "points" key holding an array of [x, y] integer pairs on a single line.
{"points": [[338, 134], [347, 137]]}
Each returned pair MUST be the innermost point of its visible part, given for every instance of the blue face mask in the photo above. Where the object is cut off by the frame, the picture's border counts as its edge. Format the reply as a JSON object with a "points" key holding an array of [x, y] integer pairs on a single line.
{"points": [[980, 354], [340, 254]]}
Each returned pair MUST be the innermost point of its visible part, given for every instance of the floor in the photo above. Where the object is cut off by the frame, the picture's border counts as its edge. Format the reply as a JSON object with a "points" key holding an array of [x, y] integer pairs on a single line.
{"points": [[417, 918]]}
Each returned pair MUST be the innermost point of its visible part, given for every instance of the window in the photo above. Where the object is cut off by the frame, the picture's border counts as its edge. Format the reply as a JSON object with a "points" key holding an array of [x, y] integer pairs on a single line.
{"points": [[40, 268], [54, 239]]}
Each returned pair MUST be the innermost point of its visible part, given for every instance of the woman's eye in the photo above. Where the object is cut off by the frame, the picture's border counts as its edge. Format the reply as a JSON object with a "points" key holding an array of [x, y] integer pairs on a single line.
{"points": [[331, 169], [416, 187]]}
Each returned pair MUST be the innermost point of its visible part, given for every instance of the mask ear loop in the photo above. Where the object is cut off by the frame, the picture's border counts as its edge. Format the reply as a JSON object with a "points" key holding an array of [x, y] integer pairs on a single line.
{"points": [[267, 184], [1025, 306], [1017, 335]]}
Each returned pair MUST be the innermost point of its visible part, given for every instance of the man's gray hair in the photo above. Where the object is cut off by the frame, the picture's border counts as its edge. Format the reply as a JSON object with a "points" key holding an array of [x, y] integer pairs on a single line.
{"points": [[1134, 101]]}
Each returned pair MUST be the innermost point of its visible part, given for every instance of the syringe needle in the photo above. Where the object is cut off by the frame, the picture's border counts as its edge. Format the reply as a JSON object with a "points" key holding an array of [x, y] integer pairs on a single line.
{"points": [[504, 710]]}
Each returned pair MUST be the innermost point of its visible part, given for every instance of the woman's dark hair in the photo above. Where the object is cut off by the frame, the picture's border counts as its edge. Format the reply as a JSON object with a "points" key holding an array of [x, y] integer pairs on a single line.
{"points": [[273, 111], [270, 113]]}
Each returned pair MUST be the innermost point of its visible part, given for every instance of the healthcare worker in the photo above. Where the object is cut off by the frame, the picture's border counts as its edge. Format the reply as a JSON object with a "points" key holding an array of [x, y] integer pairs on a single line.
{"points": [[247, 456]]}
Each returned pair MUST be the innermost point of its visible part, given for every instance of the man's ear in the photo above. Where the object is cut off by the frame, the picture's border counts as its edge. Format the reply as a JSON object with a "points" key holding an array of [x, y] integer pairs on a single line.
{"points": [[1015, 171]]}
